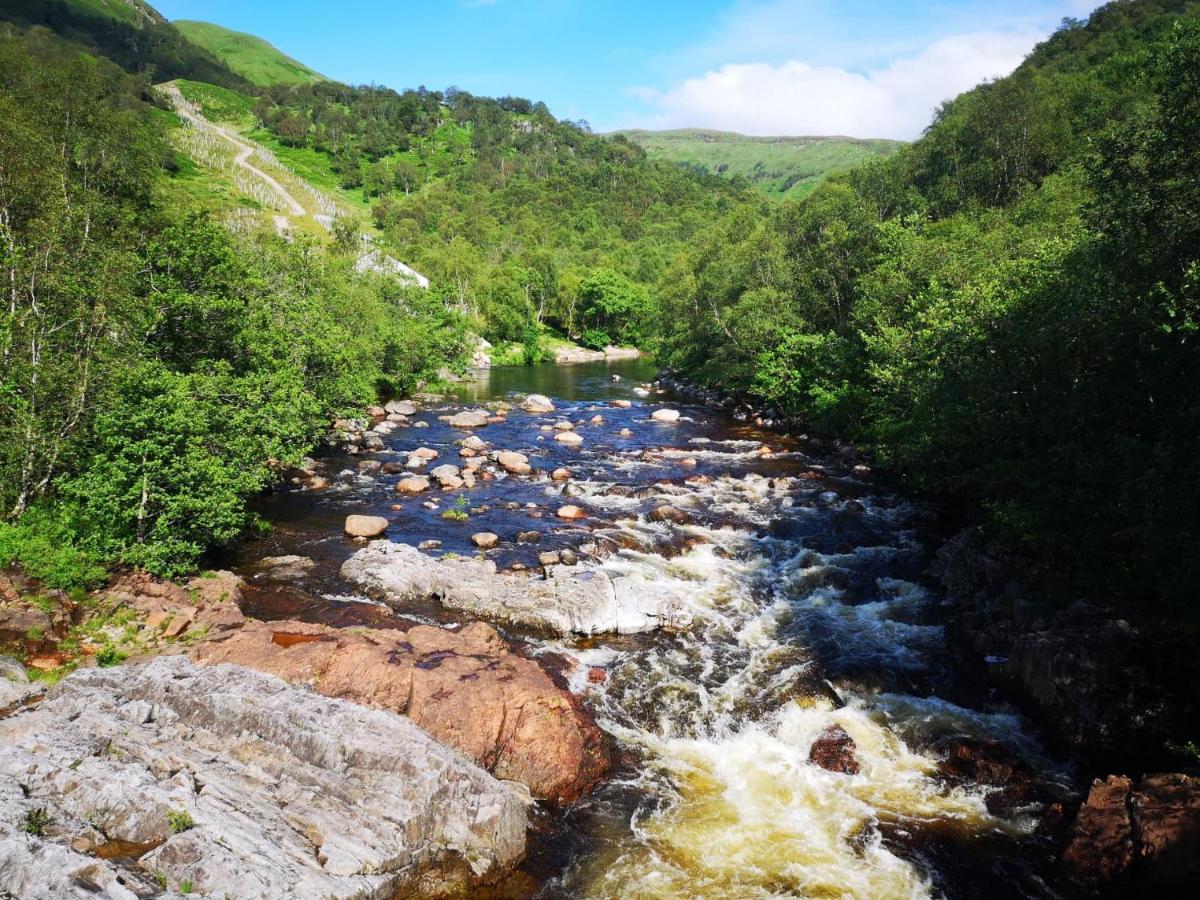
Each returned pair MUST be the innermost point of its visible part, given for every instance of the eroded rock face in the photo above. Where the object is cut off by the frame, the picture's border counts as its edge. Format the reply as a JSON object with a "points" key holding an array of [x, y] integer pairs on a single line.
{"points": [[566, 601], [467, 689], [1144, 833], [291, 793], [209, 602]]}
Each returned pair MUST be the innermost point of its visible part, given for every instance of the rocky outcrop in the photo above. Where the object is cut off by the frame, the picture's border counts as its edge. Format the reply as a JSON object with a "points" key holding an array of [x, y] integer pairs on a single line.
{"points": [[1139, 834], [1102, 685], [467, 689], [1009, 783], [207, 604], [566, 601], [240, 785], [15, 687]]}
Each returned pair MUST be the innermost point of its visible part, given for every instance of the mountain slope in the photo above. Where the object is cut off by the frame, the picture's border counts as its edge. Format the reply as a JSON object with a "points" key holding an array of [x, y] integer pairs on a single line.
{"points": [[780, 166], [251, 57]]}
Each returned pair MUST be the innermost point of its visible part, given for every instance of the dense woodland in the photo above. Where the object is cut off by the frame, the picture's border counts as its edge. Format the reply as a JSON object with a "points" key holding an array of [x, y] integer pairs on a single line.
{"points": [[1003, 313]]}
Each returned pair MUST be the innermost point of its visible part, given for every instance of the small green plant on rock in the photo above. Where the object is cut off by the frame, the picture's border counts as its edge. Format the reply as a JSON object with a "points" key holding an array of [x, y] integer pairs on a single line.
{"points": [[109, 656], [36, 821], [185, 886], [180, 821], [459, 512], [160, 878]]}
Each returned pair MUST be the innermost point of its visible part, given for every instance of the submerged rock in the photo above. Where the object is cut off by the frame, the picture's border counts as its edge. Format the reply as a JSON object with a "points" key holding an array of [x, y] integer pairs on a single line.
{"points": [[288, 793], [467, 689], [567, 601]]}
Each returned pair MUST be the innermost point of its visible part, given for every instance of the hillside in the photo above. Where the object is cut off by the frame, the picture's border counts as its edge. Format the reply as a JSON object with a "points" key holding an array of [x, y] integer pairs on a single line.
{"points": [[251, 57], [780, 166]]}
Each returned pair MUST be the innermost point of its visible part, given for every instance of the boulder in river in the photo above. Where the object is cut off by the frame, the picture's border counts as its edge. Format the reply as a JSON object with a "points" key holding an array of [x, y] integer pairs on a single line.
{"points": [[403, 407], [668, 513], [537, 403], [665, 415], [414, 484], [513, 462], [485, 540], [447, 476], [570, 438], [469, 418], [834, 750], [620, 404], [570, 512], [283, 792], [466, 688], [365, 526], [567, 601]]}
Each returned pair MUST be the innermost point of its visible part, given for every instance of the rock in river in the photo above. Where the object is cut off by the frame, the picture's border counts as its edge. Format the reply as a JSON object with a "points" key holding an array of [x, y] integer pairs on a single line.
{"points": [[570, 438], [485, 540], [365, 526], [291, 793], [469, 418], [567, 601], [412, 485], [537, 403], [513, 462], [467, 689], [665, 415]]}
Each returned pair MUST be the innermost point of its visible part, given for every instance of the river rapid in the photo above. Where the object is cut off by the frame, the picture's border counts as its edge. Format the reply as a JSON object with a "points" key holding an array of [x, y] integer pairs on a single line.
{"points": [[806, 583]]}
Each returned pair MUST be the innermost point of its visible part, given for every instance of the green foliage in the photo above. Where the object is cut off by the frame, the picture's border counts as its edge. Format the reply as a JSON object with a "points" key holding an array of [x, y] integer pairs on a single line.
{"points": [[36, 821], [46, 544], [109, 656], [459, 512], [779, 166], [180, 821], [1007, 310], [249, 56]]}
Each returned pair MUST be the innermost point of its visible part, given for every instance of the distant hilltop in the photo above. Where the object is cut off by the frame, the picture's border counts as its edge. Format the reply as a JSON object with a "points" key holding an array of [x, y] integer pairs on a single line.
{"points": [[782, 166]]}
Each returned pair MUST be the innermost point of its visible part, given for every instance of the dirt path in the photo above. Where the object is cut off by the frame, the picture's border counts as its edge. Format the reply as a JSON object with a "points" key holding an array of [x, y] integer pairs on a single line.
{"points": [[244, 150]]}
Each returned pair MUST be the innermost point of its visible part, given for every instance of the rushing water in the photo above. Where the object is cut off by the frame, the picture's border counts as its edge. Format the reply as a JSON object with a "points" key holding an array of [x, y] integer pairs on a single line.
{"points": [[806, 587]]}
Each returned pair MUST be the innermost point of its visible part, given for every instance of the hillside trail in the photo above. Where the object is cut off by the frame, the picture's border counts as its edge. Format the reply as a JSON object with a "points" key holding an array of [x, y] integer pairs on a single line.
{"points": [[245, 150]]}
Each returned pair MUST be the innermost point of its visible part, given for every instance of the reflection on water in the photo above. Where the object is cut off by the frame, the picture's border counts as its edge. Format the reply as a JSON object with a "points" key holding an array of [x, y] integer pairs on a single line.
{"points": [[804, 582]]}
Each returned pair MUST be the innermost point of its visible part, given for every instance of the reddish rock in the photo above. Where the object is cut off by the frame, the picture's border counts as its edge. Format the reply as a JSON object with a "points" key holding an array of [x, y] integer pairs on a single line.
{"points": [[597, 675], [211, 601], [834, 750], [1144, 833], [571, 512], [668, 513], [467, 689], [989, 763]]}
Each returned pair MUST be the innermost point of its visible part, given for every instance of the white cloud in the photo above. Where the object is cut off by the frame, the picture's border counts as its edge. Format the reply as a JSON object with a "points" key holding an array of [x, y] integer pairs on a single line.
{"points": [[796, 98]]}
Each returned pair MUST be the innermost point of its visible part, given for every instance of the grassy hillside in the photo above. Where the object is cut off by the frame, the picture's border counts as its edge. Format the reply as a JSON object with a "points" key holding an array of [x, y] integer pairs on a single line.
{"points": [[134, 12], [780, 166], [251, 57]]}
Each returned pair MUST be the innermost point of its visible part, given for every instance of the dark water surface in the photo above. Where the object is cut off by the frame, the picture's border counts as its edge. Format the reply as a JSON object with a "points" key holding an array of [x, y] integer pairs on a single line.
{"points": [[804, 579]]}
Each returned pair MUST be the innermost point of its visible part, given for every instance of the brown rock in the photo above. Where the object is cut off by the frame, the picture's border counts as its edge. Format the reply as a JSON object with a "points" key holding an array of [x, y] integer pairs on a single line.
{"points": [[986, 762], [485, 540], [597, 675], [365, 526], [513, 462], [834, 750], [467, 689], [620, 404], [424, 453], [668, 513], [1144, 833], [571, 512], [562, 473], [548, 558], [528, 537], [414, 484]]}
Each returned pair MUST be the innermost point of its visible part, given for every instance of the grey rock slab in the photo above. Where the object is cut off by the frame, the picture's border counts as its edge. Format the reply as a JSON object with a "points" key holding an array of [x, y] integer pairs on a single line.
{"points": [[567, 601], [292, 793]]}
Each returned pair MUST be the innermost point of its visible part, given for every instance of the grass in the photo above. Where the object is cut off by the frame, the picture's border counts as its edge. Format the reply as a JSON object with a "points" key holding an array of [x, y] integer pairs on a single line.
{"points": [[778, 166], [132, 12], [217, 103], [251, 57], [180, 821], [36, 821]]}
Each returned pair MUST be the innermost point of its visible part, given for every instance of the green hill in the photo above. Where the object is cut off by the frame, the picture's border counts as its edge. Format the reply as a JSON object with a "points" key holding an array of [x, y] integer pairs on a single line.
{"points": [[780, 166], [251, 57]]}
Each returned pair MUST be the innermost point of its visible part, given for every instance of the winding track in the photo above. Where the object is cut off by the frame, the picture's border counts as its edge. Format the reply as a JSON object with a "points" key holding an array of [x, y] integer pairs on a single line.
{"points": [[244, 149]]}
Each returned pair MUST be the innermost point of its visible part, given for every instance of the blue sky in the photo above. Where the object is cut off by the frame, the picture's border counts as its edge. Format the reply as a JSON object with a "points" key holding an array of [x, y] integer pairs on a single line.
{"points": [[862, 67]]}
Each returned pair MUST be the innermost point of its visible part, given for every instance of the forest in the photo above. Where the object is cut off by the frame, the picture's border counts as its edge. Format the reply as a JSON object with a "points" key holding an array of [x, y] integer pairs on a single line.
{"points": [[1003, 313]]}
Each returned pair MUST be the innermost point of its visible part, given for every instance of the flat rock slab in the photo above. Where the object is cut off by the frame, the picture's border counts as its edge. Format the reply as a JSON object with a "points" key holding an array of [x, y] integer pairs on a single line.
{"points": [[567, 601], [466, 688], [291, 793]]}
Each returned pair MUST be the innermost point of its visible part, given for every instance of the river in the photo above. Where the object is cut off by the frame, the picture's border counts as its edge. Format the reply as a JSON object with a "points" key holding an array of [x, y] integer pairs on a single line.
{"points": [[806, 583]]}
